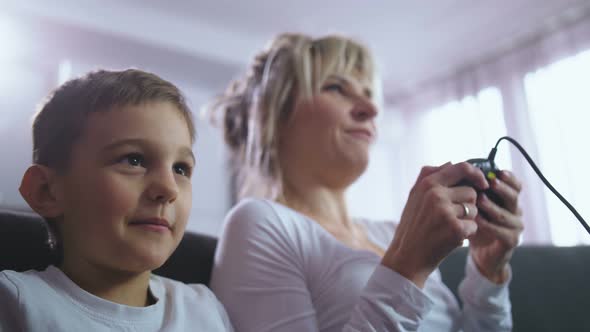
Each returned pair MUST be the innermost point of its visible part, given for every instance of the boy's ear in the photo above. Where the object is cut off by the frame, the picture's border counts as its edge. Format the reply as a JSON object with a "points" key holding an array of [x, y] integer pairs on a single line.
{"points": [[39, 189]]}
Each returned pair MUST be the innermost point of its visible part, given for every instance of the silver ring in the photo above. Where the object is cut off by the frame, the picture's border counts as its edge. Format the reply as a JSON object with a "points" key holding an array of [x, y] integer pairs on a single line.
{"points": [[465, 210]]}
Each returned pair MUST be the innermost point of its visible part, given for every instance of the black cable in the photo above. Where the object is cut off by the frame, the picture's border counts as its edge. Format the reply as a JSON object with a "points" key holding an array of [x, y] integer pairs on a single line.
{"points": [[492, 155]]}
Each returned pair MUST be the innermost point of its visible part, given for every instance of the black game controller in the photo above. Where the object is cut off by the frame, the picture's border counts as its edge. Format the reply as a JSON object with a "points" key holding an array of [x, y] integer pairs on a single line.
{"points": [[490, 171]]}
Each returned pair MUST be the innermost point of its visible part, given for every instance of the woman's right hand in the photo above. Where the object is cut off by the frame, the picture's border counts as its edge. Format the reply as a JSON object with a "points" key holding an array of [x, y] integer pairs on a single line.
{"points": [[433, 222]]}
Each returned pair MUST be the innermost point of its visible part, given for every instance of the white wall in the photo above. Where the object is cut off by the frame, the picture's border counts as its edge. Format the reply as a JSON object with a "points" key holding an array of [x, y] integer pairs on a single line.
{"points": [[21, 89]]}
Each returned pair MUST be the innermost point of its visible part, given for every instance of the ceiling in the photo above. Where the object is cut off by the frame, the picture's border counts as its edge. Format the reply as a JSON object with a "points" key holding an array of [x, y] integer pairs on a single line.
{"points": [[414, 41]]}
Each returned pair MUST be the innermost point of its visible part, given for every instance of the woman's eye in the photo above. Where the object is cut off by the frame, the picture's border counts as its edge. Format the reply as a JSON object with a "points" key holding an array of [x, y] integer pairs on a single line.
{"points": [[334, 87], [183, 169], [133, 159]]}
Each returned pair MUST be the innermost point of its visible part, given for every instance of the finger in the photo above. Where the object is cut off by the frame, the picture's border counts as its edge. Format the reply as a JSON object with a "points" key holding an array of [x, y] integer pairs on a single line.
{"points": [[511, 180], [427, 170], [508, 194], [464, 171], [462, 194], [509, 237], [469, 227], [465, 210], [460, 228], [498, 215]]}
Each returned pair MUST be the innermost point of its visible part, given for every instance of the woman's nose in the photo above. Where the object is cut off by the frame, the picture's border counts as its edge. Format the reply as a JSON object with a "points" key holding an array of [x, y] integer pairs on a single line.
{"points": [[364, 111]]}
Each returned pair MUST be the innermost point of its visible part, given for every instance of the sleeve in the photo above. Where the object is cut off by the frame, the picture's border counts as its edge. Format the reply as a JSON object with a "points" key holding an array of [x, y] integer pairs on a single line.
{"points": [[221, 311], [486, 306], [225, 318], [389, 302], [260, 277], [213, 304], [10, 316]]}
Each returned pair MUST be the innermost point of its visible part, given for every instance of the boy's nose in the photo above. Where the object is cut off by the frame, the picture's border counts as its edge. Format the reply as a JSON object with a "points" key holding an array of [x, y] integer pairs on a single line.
{"points": [[163, 187]]}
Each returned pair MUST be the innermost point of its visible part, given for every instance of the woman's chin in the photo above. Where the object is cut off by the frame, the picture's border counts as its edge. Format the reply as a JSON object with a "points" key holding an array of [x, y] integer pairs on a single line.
{"points": [[358, 160], [349, 169], [360, 168]]}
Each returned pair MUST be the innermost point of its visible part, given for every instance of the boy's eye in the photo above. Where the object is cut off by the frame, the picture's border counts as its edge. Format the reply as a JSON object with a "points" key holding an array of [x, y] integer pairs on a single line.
{"points": [[183, 169], [133, 159]]}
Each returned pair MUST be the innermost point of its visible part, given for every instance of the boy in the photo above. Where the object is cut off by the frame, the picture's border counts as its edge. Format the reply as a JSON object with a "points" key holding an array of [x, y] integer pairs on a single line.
{"points": [[112, 162]]}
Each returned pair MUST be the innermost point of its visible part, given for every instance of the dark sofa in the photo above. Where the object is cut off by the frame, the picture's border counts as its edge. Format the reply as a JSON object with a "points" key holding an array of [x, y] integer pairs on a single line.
{"points": [[550, 290]]}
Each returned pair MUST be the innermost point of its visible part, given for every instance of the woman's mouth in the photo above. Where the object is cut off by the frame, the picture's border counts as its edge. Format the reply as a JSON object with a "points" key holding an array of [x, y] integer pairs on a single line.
{"points": [[362, 134]]}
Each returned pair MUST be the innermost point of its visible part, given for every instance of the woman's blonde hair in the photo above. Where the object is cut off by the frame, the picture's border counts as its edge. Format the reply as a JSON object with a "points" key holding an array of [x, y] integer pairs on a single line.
{"points": [[254, 107]]}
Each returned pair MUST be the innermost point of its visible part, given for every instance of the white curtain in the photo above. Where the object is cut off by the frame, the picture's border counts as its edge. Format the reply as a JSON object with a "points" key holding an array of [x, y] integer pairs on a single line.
{"points": [[463, 116], [559, 103]]}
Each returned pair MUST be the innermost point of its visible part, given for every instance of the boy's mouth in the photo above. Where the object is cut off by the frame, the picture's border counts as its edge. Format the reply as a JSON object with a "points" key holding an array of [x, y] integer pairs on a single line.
{"points": [[152, 224]]}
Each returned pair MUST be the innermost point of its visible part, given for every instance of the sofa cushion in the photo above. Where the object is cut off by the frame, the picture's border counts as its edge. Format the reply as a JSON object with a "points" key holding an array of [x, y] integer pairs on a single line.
{"points": [[24, 241], [549, 289]]}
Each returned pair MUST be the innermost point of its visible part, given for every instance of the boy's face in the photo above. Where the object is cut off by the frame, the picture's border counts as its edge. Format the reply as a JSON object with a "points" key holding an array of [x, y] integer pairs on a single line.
{"points": [[126, 194]]}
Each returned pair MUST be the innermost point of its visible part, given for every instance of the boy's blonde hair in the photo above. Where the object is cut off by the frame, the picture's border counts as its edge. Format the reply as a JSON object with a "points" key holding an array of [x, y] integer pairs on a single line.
{"points": [[254, 107], [61, 118]]}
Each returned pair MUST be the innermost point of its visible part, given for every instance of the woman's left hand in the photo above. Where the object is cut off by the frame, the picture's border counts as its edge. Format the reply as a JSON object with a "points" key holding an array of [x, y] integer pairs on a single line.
{"points": [[493, 244]]}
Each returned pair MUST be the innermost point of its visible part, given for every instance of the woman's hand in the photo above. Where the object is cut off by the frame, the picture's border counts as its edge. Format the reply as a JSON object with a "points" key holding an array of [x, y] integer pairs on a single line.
{"points": [[434, 223], [497, 236]]}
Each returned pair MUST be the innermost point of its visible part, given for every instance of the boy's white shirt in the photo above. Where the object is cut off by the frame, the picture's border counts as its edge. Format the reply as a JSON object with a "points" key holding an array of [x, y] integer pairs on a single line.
{"points": [[50, 301]]}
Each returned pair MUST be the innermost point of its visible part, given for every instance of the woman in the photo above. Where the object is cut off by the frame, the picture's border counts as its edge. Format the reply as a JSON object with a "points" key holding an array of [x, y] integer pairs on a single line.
{"points": [[299, 126]]}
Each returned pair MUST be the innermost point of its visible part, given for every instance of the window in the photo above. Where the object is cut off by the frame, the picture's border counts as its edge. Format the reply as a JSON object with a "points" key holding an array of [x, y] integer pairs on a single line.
{"points": [[465, 129], [559, 105], [456, 131]]}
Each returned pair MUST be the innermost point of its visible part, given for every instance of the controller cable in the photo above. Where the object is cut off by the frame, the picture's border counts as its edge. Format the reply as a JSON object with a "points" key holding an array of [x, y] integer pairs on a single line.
{"points": [[492, 155]]}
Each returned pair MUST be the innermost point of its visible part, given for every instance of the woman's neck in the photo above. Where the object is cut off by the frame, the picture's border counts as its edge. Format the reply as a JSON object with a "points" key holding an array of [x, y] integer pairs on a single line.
{"points": [[121, 287], [328, 209], [326, 206]]}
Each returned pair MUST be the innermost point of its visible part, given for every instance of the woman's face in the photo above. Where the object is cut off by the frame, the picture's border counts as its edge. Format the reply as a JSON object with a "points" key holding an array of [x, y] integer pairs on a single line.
{"points": [[327, 138]]}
